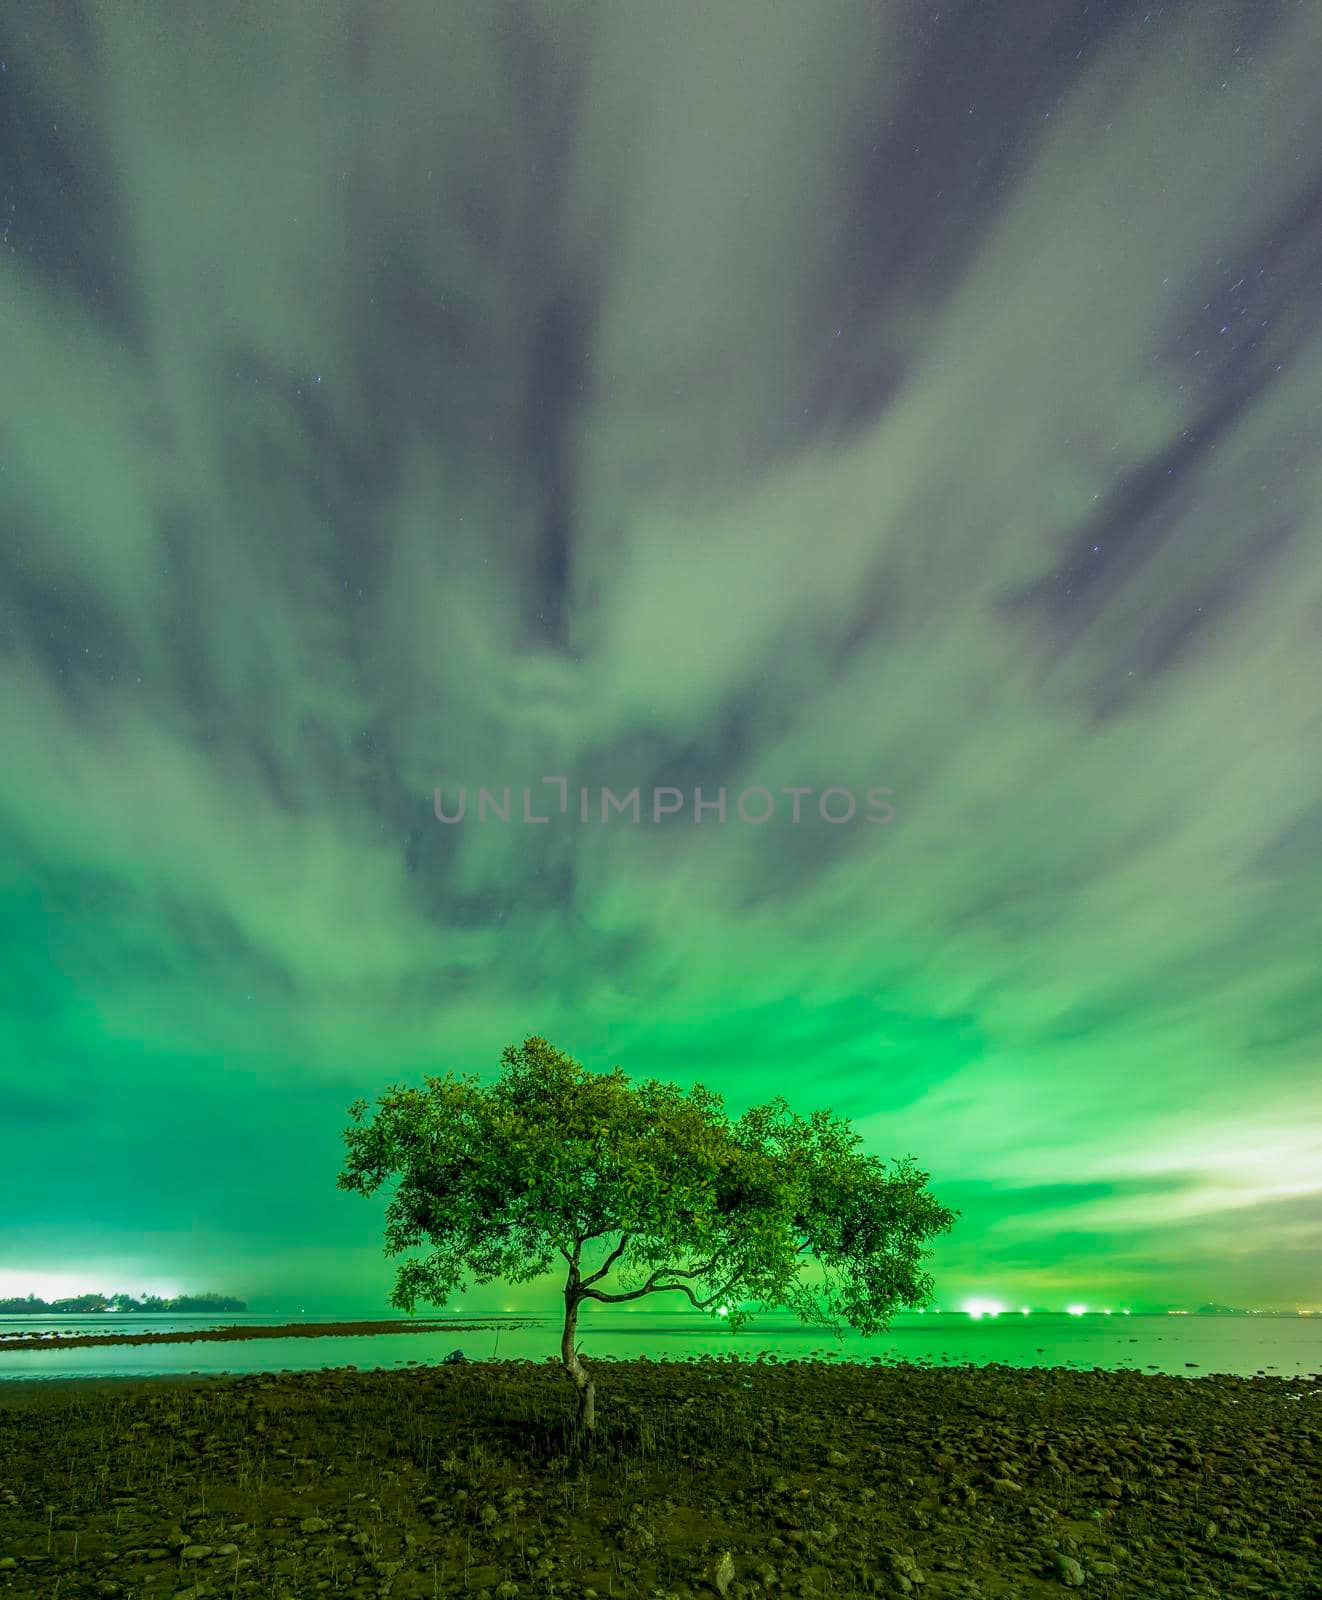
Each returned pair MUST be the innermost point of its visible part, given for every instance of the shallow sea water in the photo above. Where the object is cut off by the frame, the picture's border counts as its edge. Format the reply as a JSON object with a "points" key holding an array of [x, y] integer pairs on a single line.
{"points": [[1182, 1346]]}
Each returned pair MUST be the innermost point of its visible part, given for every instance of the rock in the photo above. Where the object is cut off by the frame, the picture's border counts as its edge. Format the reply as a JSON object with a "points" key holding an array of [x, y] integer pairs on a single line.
{"points": [[905, 1567], [834, 1458], [7, 1563], [723, 1576], [196, 1552], [314, 1525], [1103, 1569], [454, 1358], [1068, 1570]]}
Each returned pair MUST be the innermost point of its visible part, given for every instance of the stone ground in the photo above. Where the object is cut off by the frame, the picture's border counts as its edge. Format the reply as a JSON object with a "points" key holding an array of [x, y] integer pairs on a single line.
{"points": [[723, 1478]]}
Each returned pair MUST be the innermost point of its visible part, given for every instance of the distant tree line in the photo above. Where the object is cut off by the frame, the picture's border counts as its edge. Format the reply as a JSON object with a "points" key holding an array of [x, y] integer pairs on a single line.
{"points": [[81, 1304]]}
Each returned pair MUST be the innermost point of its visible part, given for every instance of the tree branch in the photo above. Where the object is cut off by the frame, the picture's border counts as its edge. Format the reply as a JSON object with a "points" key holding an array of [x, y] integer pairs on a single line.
{"points": [[636, 1294], [691, 1272], [653, 1287], [609, 1261], [582, 1238]]}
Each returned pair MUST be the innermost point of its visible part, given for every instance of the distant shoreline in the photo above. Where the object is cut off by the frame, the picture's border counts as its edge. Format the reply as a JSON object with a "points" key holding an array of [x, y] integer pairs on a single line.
{"points": [[658, 1314], [287, 1330]]}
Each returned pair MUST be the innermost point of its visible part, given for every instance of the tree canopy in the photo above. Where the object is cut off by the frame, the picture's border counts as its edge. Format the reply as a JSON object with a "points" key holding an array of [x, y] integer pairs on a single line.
{"points": [[495, 1181]]}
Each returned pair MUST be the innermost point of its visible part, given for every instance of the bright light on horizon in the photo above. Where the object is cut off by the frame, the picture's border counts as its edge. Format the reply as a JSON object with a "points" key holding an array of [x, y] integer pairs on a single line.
{"points": [[1075, 1311], [983, 1308]]}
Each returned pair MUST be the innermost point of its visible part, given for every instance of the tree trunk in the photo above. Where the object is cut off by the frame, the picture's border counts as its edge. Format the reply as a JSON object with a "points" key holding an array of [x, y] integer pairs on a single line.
{"points": [[587, 1413]]}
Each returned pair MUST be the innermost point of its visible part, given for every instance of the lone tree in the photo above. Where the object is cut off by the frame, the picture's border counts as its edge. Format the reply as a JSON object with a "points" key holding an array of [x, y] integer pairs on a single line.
{"points": [[551, 1158]]}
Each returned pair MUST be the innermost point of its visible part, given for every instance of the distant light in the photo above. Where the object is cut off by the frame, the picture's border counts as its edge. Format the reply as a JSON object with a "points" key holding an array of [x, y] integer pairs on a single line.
{"points": [[1125, 1312], [722, 1311], [1075, 1311], [1107, 1312], [922, 1311], [983, 1308], [1023, 1311]]}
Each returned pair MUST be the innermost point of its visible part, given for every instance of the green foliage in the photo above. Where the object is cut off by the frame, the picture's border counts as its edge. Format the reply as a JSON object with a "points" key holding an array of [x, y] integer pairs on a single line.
{"points": [[494, 1181]]}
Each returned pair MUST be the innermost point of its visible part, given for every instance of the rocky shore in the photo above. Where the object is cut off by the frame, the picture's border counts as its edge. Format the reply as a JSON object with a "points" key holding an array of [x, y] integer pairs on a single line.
{"points": [[724, 1478]]}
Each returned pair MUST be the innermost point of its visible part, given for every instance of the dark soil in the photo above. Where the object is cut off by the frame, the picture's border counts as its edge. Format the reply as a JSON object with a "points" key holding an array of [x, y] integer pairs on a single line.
{"points": [[706, 1478]]}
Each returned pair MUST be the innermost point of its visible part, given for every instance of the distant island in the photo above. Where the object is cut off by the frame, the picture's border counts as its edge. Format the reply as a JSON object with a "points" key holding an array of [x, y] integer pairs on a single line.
{"points": [[121, 1304]]}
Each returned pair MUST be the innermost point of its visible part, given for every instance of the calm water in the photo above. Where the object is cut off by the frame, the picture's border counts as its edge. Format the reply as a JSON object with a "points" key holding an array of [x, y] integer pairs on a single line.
{"points": [[1183, 1346]]}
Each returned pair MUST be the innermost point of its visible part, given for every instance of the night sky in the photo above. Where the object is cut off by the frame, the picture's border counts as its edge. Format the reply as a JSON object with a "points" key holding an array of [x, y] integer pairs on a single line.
{"points": [[664, 395]]}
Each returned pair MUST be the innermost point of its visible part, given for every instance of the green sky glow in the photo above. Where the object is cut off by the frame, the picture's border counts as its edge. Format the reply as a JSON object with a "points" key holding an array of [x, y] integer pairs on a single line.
{"points": [[656, 397]]}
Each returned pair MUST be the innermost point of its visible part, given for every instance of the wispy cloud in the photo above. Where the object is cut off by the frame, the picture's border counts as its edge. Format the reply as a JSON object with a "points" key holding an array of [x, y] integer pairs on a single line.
{"points": [[655, 396]]}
